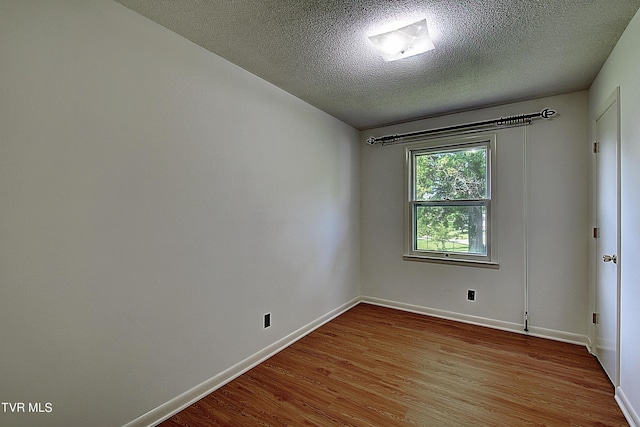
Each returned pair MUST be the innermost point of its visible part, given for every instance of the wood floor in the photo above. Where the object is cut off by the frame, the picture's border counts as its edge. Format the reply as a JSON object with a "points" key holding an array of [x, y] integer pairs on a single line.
{"points": [[374, 366]]}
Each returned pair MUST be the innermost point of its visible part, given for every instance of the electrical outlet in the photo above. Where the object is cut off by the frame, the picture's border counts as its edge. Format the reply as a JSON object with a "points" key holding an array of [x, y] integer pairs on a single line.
{"points": [[471, 294], [267, 320]]}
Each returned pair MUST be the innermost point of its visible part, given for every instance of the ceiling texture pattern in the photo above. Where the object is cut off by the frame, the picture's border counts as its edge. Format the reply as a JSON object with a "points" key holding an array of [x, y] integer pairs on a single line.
{"points": [[487, 52]]}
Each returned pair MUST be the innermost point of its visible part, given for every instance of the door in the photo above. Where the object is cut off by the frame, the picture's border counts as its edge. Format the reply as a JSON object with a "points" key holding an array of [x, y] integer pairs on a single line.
{"points": [[607, 244]]}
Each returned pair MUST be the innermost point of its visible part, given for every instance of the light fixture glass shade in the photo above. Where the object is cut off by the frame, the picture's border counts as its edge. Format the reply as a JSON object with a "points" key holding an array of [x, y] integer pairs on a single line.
{"points": [[403, 42]]}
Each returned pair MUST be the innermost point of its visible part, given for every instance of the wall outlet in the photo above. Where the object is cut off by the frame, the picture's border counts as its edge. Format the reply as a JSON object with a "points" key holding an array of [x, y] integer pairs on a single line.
{"points": [[267, 320], [471, 294]]}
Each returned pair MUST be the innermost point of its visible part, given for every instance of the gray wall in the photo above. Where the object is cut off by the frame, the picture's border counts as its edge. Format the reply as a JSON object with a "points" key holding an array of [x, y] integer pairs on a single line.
{"points": [[622, 69], [557, 195], [156, 201]]}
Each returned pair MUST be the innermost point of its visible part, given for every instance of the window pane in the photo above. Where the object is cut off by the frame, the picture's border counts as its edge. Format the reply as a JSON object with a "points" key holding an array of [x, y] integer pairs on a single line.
{"points": [[460, 229], [451, 175]]}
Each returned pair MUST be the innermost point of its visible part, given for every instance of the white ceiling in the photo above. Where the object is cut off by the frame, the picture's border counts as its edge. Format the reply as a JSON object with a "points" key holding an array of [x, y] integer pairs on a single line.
{"points": [[487, 51]]}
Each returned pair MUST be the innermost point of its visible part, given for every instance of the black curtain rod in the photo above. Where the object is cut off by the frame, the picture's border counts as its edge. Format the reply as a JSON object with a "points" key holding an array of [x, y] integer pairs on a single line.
{"points": [[502, 122]]}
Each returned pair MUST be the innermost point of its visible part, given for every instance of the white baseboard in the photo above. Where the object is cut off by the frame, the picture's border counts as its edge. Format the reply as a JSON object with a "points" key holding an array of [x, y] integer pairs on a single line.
{"points": [[481, 321], [589, 345], [627, 409], [553, 334], [184, 400]]}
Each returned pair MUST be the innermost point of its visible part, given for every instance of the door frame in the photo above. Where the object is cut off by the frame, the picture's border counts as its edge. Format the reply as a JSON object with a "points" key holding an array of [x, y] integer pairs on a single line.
{"points": [[612, 101]]}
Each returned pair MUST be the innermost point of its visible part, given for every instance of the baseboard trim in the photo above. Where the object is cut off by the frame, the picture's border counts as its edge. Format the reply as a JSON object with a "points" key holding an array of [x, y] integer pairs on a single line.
{"points": [[481, 321], [553, 334], [589, 345], [186, 399], [627, 409]]}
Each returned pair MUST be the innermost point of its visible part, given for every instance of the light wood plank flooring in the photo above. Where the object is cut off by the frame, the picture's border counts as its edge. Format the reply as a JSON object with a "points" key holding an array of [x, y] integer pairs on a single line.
{"points": [[374, 366]]}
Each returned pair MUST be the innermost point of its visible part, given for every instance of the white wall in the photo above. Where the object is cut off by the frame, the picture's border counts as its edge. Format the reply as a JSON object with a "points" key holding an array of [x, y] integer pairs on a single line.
{"points": [[558, 226], [156, 201], [622, 69]]}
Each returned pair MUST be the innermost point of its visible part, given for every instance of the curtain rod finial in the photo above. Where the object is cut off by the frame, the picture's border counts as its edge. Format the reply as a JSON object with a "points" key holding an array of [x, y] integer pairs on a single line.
{"points": [[371, 141], [547, 113]]}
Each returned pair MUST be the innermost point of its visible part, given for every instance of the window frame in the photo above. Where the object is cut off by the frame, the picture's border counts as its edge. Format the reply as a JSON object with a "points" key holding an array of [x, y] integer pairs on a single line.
{"points": [[446, 145]]}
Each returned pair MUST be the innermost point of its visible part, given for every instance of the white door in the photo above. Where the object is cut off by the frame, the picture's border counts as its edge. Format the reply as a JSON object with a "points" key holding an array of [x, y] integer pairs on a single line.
{"points": [[607, 243]]}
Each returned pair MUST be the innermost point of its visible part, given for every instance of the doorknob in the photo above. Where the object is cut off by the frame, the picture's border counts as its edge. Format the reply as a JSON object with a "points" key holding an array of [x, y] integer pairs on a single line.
{"points": [[609, 258]]}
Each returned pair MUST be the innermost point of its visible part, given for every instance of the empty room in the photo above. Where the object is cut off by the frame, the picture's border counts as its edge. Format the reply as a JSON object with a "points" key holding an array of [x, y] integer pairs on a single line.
{"points": [[368, 213]]}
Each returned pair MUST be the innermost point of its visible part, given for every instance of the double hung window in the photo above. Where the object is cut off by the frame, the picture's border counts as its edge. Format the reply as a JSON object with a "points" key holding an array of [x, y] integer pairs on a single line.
{"points": [[449, 206]]}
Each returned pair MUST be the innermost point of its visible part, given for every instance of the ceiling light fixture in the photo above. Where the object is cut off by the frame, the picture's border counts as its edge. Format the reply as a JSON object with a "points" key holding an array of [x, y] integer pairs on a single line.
{"points": [[403, 42]]}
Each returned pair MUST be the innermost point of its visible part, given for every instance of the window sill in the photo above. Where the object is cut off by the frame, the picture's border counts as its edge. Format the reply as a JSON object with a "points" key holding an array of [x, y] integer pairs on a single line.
{"points": [[460, 262]]}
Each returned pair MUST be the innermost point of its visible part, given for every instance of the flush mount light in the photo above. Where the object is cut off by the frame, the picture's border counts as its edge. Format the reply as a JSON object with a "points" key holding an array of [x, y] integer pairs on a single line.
{"points": [[403, 42]]}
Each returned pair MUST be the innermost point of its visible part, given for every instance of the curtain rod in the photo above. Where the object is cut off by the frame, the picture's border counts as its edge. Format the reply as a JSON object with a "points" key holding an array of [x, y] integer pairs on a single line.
{"points": [[502, 122]]}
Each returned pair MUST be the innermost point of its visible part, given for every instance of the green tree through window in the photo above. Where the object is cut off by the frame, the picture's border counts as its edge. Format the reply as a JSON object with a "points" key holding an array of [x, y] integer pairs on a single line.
{"points": [[450, 199]]}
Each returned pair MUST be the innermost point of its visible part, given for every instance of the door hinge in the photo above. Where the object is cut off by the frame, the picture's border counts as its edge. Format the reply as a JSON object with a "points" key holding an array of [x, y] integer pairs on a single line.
{"points": [[596, 147], [596, 232], [594, 317]]}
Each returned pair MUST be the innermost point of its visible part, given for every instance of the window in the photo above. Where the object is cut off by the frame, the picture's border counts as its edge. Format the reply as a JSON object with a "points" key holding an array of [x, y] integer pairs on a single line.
{"points": [[449, 210]]}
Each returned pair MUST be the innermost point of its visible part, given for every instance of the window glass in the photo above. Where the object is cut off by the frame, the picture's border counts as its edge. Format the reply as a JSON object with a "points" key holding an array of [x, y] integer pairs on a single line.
{"points": [[449, 206], [460, 229], [451, 175]]}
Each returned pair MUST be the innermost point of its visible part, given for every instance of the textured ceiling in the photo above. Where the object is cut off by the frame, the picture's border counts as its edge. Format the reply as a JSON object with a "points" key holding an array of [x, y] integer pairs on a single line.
{"points": [[487, 51]]}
